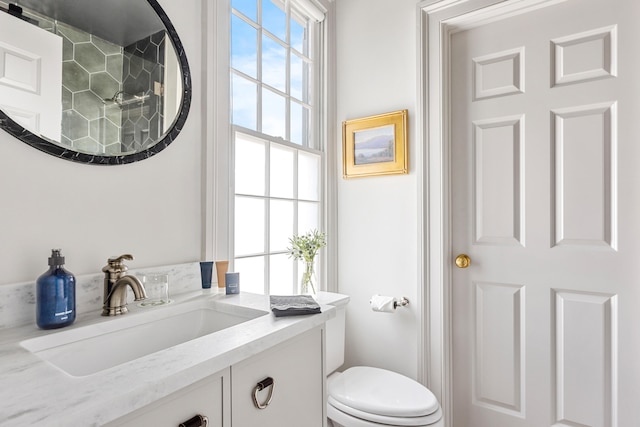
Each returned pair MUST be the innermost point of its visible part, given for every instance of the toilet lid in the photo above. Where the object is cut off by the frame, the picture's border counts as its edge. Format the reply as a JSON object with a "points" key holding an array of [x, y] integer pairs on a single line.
{"points": [[381, 392]]}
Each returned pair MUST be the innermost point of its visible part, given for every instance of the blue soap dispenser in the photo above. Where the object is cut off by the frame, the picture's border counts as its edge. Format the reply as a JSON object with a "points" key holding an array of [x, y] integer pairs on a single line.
{"points": [[55, 295]]}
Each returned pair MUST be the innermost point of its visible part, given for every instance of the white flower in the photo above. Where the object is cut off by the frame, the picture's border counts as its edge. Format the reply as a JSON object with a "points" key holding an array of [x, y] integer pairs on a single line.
{"points": [[306, 247]]}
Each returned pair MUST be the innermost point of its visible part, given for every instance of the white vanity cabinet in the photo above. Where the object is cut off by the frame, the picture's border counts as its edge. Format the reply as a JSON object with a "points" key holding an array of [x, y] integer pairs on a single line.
{"points": [[205, 397], [230, 398], [296, 368]]}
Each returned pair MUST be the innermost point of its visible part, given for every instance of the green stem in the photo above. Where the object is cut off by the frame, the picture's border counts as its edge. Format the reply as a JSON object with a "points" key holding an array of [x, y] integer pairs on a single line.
{"points": [[307, 277]]}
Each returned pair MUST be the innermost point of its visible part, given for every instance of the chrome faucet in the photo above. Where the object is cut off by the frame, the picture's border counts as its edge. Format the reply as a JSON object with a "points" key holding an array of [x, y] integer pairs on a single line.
{"points": [[115, 286]]}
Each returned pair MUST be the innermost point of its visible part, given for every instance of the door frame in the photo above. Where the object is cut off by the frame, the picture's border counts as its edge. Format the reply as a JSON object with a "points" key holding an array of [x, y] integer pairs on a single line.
{"points": [[437, 21]]}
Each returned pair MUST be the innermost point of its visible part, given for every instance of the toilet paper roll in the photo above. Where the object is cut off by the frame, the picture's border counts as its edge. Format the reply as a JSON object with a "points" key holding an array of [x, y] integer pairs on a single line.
{"points": [[383, 303]]}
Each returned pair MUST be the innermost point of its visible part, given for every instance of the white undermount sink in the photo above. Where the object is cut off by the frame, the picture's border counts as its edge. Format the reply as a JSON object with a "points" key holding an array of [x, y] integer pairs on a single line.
{"points": [[90, 349]]}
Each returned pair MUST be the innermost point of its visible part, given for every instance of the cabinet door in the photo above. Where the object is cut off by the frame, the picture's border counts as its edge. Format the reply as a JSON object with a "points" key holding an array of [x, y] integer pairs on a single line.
{"points": [[297, 370], [206, 397]]}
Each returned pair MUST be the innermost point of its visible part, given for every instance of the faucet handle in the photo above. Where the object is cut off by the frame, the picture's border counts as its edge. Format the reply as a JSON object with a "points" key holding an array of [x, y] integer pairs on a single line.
{"points": [[118, 259], [115, 263]]}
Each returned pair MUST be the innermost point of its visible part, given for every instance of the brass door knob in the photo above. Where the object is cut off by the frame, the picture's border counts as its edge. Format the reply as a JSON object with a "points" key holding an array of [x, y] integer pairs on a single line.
{"points": [[463, 261]]}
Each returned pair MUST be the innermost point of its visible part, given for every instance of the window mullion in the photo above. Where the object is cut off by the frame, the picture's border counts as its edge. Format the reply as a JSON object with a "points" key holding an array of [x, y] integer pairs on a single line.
{"points": [[296, 212], [259, 69], [267, 219], [288, 72]]}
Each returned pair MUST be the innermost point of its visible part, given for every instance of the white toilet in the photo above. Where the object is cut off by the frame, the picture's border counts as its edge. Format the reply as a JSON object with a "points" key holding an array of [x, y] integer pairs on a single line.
{"points": [[371, 397]]}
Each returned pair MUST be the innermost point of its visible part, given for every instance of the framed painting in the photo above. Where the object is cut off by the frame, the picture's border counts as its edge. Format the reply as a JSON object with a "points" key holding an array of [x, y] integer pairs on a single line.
{"points": [[375, 145]]}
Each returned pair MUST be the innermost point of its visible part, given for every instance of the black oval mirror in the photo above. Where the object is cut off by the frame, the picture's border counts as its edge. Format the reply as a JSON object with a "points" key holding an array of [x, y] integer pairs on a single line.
{"points": [[107, 83]]}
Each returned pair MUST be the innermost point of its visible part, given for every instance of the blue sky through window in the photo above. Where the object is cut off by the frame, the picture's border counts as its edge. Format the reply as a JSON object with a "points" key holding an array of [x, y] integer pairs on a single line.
{"points": [[274, 19], [244, 47], [274, 63], [284, 70]]}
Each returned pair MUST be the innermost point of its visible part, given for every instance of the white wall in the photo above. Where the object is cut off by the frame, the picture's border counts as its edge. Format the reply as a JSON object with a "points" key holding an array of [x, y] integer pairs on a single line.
{"points": [[151, 209], [378, 216]]}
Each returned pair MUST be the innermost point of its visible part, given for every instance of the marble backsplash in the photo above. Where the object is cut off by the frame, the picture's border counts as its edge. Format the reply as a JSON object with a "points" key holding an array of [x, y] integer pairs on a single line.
{"points": [[18, 301]]}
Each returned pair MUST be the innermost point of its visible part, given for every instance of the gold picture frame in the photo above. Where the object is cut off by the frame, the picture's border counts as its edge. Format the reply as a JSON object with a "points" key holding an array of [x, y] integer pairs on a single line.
{"points": [[375, 145]]}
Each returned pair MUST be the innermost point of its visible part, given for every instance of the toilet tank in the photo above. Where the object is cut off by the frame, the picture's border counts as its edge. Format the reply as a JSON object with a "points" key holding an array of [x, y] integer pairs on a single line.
{"points": [[334, 329]]}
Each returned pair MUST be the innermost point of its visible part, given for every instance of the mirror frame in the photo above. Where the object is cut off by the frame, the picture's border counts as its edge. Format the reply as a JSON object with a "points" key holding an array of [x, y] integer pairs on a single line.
{"points": [[62, 152]]}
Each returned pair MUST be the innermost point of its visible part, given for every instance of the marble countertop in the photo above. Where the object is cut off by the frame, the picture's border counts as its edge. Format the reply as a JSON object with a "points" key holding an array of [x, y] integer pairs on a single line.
{"points": [[34, 392]]}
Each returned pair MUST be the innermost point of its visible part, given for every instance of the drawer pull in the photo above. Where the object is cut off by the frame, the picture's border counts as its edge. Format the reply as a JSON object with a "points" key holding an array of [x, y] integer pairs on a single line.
{"points": [[267, 382], [197, 421]]}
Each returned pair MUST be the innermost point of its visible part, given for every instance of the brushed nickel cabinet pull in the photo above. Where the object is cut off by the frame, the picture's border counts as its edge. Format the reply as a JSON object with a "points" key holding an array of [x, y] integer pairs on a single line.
{"points": [[267, 382]]}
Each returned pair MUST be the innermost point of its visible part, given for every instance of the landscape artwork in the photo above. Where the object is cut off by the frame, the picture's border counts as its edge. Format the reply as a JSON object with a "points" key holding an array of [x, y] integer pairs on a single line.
{"points": [[375, 145]]}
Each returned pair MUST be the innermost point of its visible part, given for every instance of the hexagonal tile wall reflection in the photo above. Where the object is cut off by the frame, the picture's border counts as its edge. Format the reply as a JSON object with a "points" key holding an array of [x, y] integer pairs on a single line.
{"points": [[74, 77], [103, 85], [88, 104], [94, 71], [89, 57]]}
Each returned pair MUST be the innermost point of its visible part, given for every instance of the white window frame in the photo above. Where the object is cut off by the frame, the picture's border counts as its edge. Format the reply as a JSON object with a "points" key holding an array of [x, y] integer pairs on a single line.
{"points": [[217, 156]]}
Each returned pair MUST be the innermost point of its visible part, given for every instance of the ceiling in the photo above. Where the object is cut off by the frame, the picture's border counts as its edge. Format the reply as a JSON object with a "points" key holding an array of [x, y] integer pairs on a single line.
{"points": [[119, 21]]}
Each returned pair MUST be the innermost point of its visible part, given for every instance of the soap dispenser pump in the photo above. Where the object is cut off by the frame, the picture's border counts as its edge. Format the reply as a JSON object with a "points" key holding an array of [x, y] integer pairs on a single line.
{"points": [[55, 295]]}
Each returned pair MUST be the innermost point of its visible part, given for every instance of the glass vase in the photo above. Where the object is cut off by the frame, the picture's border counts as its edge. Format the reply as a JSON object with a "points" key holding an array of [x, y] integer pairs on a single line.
{"points": [[308, 281]]}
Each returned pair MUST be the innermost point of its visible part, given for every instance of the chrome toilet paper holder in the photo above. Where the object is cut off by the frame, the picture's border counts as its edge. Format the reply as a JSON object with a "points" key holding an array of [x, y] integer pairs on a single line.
{"points": [[403, 302], [386, 303]]}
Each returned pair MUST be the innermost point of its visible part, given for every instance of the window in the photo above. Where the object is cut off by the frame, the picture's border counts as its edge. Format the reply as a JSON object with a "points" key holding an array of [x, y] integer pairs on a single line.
{"points": [[278, 173]]}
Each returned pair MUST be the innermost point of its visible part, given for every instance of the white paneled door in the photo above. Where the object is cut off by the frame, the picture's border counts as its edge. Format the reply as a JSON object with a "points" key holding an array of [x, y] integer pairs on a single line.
{"points": [[545, 184], [31, 76]]}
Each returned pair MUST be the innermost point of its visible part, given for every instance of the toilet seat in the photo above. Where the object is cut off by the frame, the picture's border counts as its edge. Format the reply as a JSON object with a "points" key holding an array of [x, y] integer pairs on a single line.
{"points": [[382, 397], [355, 418]]}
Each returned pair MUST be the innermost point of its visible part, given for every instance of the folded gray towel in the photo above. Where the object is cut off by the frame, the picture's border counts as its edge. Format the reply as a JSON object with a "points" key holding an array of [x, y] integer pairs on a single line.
{"points": [[293, 305]]}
